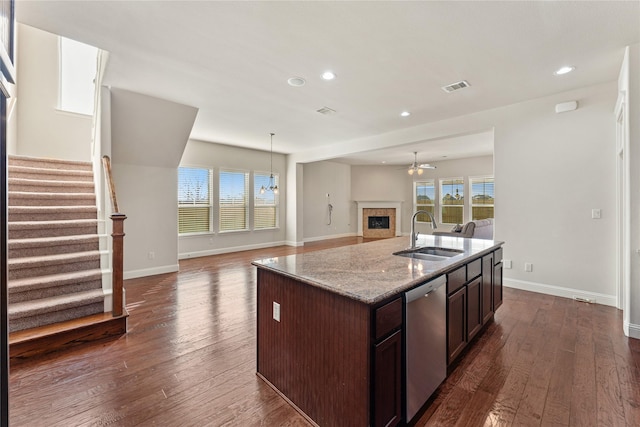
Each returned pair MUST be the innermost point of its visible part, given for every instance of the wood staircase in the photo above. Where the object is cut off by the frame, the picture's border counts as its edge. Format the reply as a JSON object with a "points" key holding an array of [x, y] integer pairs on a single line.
{"points": [[54, 260]]}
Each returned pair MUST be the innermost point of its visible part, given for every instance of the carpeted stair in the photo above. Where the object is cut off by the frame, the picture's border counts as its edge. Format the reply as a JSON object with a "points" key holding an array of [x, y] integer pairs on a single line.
{"points": [[54, 258]]}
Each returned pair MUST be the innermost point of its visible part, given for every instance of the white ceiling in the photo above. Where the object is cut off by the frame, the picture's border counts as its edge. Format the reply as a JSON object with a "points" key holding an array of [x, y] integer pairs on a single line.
{"points": [[232, 61]]}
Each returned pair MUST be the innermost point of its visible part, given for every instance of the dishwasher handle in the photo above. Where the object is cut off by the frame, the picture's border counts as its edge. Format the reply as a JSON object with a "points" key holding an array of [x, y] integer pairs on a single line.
{"points": [[425, 289]]}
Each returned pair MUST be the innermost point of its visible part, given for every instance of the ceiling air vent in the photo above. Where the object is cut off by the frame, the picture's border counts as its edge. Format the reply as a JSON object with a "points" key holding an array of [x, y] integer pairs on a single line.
{"points": [[455, 86], [326, 110]]}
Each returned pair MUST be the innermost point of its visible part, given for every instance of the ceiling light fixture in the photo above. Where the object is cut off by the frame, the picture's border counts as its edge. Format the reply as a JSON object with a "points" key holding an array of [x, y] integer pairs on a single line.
{"points": [[272, 184], [296, 81], [405, 114], [418, 168], [564, 70], [328, 75]]}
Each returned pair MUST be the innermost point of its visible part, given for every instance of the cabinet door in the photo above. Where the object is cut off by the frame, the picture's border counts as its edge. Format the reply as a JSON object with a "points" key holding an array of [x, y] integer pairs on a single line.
{"points": [[456, 323], [487, 288], [497, 286], [474, 308], [388, 381]]}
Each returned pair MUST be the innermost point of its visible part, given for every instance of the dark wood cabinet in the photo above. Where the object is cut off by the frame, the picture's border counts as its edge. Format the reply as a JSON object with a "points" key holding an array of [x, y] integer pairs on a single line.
{"points": [[497, 286], [387, 396], [487, 288], [456, 322], [474, 307]]}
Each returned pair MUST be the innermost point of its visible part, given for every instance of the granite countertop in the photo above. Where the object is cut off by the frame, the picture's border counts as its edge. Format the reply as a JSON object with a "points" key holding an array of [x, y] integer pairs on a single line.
{"points": [[369, 272]]}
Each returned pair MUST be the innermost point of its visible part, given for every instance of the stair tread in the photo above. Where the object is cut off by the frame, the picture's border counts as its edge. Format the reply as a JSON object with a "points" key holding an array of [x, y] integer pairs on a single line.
{"points": [[81, 208], [58, 222], [48, 160], [48, 195], [57, 239], [44, 182], [28, 282], [69, 256], [49, 171], [56, 303]]}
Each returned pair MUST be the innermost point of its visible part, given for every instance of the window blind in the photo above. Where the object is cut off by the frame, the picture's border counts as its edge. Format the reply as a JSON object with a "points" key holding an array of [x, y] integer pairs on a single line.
{"points": [[194, 200], [234, 201], [482, 198], [265, 206]]}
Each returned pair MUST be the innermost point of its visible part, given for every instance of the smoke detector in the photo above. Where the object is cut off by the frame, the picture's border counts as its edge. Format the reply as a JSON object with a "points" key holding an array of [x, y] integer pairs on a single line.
{"points": [[455, 86]]}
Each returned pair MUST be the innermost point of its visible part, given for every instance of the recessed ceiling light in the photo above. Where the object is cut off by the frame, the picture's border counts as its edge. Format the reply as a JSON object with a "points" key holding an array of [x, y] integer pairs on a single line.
{"points": [[296, 81], [328, 75], [405, 114], [564, 70]]}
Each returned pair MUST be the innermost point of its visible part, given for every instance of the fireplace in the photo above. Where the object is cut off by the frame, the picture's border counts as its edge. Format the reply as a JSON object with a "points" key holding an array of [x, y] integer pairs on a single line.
{"points": [[378, 222]]}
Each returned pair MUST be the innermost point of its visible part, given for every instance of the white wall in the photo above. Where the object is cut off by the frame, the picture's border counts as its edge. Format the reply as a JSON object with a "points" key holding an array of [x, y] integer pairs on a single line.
{"points": [[148, 136], [320, 179], [634, 145], [216, 156], [147, 195], [391, 183], [42, 129]]}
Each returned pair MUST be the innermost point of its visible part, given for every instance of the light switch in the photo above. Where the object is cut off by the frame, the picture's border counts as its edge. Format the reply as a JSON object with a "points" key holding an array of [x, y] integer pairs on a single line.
{"points": [[276, 311], [596, 214]]}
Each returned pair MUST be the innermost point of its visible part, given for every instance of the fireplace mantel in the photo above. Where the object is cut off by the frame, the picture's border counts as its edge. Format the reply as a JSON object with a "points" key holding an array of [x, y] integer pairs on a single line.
{"points": [[397, 205]]}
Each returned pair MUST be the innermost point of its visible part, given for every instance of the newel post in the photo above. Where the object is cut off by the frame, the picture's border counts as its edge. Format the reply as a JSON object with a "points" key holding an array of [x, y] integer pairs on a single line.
{"points": [[117, 262]]}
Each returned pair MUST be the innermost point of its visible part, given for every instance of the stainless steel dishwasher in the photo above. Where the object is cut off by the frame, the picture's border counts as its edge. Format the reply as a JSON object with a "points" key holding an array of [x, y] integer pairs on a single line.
{"points": [[426, 338]]}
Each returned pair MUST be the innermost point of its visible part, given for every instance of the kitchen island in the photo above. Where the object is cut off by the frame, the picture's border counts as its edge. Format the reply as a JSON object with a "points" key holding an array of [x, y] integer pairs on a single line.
{"points": [[331, 324]]}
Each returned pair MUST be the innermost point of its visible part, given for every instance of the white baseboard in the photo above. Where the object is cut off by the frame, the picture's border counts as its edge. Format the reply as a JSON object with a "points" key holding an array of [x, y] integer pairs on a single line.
{"points": [[292, 243], [134, 274], [209, 252], [333, 236], [631, 330], [560, 291]]}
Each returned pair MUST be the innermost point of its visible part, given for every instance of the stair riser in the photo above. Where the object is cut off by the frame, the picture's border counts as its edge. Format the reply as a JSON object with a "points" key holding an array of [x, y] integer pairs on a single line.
{"points": [[43, 250], [51, 188], [34, 294], [51, 201], [59, 215], [37, 163], [20, 272], [51, 232], [54, 317], [51, 175]]}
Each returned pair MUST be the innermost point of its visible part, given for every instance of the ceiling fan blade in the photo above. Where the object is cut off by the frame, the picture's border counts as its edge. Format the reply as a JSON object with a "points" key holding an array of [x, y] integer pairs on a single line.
{"points": [[426, 166]]}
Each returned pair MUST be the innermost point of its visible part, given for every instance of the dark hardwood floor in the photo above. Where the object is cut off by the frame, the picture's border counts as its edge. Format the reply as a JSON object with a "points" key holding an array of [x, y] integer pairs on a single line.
{"points": [[189, 359]]}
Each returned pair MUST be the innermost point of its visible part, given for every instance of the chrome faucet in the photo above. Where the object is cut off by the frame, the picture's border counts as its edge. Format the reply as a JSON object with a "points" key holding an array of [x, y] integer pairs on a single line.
{"points": [[414, 235]]}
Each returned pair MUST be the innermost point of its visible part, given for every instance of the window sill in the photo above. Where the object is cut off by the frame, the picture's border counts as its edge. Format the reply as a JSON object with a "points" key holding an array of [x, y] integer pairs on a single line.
{"points": [[199, 234]]}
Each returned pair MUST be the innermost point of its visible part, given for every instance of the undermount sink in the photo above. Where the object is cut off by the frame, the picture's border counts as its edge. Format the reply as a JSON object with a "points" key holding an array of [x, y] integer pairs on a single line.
{"points": [[429, 253]]}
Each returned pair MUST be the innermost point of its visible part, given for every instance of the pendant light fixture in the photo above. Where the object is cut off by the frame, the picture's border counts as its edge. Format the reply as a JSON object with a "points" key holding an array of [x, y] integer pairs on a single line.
{"points": [[272, 184]]}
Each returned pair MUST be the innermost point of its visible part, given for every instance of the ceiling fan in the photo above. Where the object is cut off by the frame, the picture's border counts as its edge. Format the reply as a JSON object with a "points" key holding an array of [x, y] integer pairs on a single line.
{"points": [[415, 167]]}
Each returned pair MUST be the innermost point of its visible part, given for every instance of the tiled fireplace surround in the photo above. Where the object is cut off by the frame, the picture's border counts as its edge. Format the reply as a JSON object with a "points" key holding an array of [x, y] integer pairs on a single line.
{"points": [[390, 209]]}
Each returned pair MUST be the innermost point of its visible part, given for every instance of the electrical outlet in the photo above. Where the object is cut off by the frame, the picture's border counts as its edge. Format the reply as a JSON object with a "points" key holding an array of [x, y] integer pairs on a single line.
{"points": [[506, 263], [276, 311], [151, 255], [528, 267]]}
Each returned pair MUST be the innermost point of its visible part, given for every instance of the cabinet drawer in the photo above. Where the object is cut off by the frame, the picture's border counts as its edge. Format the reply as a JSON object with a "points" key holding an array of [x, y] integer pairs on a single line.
{"points": [[474, 269], [456, 279], [498, 256], [388, 318]]}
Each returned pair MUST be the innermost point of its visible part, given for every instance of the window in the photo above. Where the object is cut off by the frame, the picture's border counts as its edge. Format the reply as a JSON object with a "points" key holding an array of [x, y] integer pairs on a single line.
{"points": [[194, 200], [234, 201], [452, 201], [78, 63], [482, 198], [425, 199], [265, 206]]}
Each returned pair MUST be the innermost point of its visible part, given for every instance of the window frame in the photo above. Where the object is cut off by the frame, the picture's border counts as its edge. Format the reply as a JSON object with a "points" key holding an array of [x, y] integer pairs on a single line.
{"points": [[276, 202], [246, 204], [442, 205], [210, 205], [64, 94], [421, 217], [473, 205]]}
